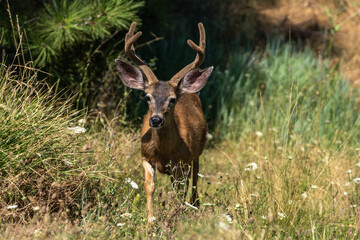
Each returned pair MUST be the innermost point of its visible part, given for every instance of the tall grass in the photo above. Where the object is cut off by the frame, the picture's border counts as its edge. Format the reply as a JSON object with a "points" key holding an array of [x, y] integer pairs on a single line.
{"points": [[288, 91]]}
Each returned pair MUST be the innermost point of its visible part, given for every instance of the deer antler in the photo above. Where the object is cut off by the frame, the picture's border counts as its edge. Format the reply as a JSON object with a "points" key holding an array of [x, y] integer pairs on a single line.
{"points": [[130, 39], [200, 55]]}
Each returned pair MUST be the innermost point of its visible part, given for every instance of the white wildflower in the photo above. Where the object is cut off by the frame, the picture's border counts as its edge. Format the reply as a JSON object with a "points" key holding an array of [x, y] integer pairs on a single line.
{"points": [[347, 184], [227, 217], [36, 208], [127, 156], [126, 215], [200, 175], [281, 215], [357, 180], [189, 205], [353, 206], [153, 218], [132, 183], [357, 164], [345, 193], [290, 202], [263, 217], [12, 206], [120, 224], [349, 171], [314, 186], [37, 233], [251, 167], [77, 129], [357, 149], [304, 195], [253, 195], [237, 206], [223, 226], [259, 134]]}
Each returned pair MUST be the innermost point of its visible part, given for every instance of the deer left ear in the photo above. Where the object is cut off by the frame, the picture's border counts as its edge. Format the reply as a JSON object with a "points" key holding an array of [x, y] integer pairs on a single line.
{"points": [[195, 80]]}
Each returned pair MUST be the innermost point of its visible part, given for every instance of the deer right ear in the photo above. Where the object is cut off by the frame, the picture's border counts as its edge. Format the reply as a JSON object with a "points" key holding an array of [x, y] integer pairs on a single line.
{"points": [[130, 75]]}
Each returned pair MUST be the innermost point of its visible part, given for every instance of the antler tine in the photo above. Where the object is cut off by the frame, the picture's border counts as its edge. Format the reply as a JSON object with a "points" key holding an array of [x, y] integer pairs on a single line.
{"points": [[200, 55], [130, 39]]}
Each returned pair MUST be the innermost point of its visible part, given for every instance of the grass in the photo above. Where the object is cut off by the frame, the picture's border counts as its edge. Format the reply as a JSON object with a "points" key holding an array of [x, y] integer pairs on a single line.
{"points": [[287, 165]]}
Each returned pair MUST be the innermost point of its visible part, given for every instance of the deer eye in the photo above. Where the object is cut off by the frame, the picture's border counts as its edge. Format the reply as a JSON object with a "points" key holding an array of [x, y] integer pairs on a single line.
{"points": [[147, 98], [172, 101]]}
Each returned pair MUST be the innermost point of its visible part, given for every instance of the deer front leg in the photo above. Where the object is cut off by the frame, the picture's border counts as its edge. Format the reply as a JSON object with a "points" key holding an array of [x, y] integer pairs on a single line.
{"points": [[149, 189], [194, 197]]}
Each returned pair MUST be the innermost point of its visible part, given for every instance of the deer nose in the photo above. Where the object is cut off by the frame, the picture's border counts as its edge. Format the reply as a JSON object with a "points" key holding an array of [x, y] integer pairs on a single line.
{"points": [[156, 121]]}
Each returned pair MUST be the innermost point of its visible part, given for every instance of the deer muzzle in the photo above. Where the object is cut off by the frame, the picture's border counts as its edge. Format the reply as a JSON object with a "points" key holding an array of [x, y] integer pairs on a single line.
{"points": [[156, 122]]}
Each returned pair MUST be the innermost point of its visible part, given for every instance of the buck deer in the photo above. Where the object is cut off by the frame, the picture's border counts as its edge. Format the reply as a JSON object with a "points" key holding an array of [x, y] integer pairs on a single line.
{"points": [[174, 129]]}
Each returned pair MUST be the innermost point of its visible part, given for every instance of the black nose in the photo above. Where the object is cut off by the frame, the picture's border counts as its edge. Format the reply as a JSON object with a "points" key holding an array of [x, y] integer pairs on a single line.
{"points": [[156, 121]]}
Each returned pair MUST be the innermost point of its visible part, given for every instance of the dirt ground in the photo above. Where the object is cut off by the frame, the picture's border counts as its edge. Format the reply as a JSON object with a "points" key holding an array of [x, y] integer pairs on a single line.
{"points": [[330, 26]]}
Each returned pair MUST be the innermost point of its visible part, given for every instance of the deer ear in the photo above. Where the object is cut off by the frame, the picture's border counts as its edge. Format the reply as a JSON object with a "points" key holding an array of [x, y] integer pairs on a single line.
{"points": [[195, 80], [130, 75]]}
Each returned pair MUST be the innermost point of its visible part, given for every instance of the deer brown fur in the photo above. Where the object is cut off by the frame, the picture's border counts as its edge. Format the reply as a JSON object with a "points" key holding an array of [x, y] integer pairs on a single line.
{"points": [[174, 130]]}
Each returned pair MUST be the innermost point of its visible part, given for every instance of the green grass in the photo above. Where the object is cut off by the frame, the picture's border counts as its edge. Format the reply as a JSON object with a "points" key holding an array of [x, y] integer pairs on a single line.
{"points": [[286, 111]]}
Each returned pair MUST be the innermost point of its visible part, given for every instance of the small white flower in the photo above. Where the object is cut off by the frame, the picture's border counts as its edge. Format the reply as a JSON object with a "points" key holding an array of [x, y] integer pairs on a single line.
{"points": [[253, 195], [127, 156], [37, 233], [290, 202], [12, 206], [251, 167], [200, 175], [132, 183], [223, 226], [36, 208], [357, 149], [126, 215], [357, 180], [304, 195], [77, 129], [120, 224], [209, 137], [259, 134], [345, 193], [302, 149], [314, 186], [349, 171], [347, 184], [189, 205], [281, 215], [357, 164], [263, 217], [227, 217], [153, 218], [353, 206]]}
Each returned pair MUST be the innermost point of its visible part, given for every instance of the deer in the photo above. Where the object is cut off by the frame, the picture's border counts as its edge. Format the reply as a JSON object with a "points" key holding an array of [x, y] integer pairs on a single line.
{"points": [[174, 130]]}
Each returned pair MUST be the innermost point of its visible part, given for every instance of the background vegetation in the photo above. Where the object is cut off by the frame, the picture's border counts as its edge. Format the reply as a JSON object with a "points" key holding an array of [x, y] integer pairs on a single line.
{"points": [[284, 161]]}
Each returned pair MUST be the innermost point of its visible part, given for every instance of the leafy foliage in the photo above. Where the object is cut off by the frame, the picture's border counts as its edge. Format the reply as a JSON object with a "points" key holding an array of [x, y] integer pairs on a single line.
{"points": [[64, 25]]}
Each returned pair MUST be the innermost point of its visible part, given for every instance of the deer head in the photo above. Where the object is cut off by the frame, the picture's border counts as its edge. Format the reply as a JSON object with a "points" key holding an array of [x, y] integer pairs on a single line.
{"points": [[162, 95]]}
